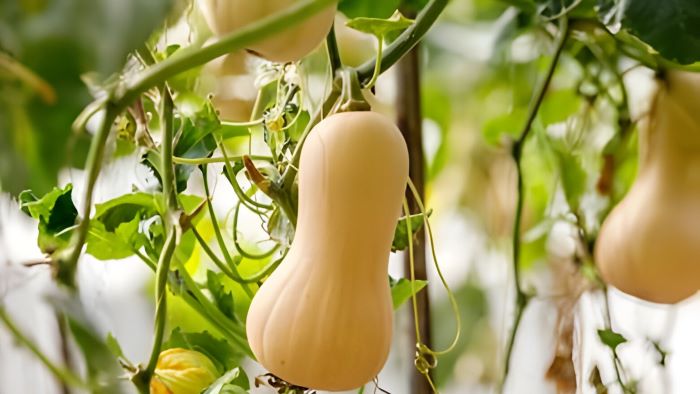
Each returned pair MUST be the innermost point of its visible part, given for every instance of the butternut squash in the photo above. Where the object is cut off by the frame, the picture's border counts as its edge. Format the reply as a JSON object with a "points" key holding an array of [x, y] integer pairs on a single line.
{"points": [[649, 246], [226, 16], [323, 319]]}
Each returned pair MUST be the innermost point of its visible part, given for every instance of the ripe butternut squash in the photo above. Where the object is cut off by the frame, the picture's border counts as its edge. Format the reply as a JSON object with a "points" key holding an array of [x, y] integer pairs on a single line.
{"points": [[226, 16], [323, 319], [649, 246]]}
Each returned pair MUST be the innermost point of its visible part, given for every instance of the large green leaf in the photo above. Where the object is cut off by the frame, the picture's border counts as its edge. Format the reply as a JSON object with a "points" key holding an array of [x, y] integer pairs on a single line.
{"points": [[671, 27], [60, 41], [115, 228]]}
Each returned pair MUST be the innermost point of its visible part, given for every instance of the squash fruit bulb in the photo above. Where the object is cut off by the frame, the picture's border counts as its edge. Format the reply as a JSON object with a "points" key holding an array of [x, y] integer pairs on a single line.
{"points": [[323, 319], [226, 16], [649, 246]]}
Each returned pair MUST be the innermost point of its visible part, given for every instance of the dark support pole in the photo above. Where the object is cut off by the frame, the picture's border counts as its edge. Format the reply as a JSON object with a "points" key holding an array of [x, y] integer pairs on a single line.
{"points": [[409, 120]]}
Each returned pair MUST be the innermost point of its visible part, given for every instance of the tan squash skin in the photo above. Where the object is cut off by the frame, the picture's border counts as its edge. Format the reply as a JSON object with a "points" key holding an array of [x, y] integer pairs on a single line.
{"points": [[649, 246], [226, 16], [323, 319]]}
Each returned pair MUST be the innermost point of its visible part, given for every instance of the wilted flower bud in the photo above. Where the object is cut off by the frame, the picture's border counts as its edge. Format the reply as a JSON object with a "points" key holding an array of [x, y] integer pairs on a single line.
{"points": [[182, 371]]}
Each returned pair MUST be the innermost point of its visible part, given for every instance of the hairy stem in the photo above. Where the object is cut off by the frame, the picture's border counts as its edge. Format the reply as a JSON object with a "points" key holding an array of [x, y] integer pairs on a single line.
{"points": [[522, 298], [66, 269], [172, 230]]}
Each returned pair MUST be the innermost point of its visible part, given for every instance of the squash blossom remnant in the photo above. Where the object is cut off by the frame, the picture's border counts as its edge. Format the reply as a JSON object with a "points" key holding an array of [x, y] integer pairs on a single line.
{"points": [[182, 371]]}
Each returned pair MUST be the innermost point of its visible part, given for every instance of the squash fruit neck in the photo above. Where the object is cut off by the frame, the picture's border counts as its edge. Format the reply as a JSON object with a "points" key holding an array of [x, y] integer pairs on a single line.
{"points": [[673, 135]]}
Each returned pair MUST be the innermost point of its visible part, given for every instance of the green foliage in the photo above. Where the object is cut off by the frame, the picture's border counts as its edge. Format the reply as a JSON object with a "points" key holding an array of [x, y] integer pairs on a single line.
{"points": [[197, 127], [403, 289], [368, 8], [223, 298], [671, 27], [56, 214], [60, 41], [380, 28], [115, 230], [220, 352], [611, 339], [400, 233], [234, 381]]}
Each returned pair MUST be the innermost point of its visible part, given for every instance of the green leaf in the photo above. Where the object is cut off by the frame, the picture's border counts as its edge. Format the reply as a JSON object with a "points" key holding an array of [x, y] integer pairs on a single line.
{"points": [[403, 289], [573, 178], [114, 346], [296, 129], [504, 125], [119, 244], [380, 27], [610, 338], [55, 212], [400, 233], [115, 231], [219, 351], [558, 106], [671, 27], [279, 228], [368, 8], [222, 297], [196, 138], [225, 384]]}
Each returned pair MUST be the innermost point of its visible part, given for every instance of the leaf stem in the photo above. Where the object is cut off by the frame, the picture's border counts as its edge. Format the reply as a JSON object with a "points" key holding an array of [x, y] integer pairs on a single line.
{"points": [[522, 299], [377, 65]]}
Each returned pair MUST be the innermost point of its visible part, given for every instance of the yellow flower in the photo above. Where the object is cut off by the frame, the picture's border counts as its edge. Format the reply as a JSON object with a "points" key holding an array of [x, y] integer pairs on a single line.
{"points": [[182, 371]]}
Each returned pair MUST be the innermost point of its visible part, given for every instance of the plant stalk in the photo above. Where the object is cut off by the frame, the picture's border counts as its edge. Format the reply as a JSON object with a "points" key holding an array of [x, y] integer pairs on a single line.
{"points": [[522, 298]]}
